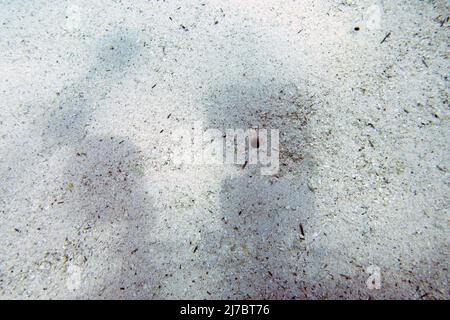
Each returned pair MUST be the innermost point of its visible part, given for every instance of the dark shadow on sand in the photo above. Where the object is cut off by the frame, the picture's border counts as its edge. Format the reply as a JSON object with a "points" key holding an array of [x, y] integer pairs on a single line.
{"points": [[106, 197], [264, 216]]}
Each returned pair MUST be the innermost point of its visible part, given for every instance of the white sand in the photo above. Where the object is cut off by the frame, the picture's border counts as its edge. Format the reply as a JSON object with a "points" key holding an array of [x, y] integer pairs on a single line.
{"points": [[93, 206]]}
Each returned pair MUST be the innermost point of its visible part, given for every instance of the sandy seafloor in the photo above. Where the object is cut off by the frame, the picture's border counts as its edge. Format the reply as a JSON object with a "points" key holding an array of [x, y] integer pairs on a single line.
{"points": [[93, 205]]}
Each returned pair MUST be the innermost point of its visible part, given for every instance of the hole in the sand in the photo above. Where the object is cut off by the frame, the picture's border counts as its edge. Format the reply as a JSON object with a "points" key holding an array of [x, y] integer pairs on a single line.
{"points": [[254, 142]]}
